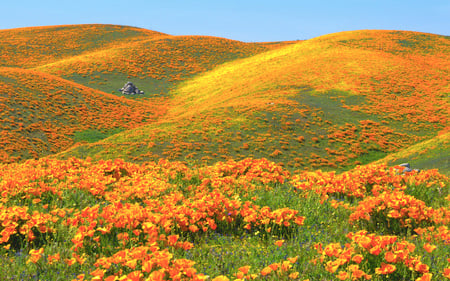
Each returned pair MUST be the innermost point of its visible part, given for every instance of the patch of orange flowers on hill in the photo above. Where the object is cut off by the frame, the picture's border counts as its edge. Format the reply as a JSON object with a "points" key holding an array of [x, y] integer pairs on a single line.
{"points": [[34, 46], [364, 181], [162, 58], [282, 104], [40, 113]]}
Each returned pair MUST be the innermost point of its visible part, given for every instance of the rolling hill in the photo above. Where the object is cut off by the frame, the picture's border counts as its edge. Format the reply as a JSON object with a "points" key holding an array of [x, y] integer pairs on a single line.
{"points": [[49, 73], [104, 57], [42, 114], [331, 102], [34, 46], [156, 64], [429, 154]]}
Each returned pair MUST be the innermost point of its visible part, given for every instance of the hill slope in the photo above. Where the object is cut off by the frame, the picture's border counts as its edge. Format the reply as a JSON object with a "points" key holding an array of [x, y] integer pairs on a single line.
{"points": [[333, 101], [104, 57], [34, 46], [429, 154], [156, 64], [99, 59], [40, 114]]}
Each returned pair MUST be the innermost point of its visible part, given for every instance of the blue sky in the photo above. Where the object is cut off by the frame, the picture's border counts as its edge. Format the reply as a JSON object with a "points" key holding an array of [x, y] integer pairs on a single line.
{"points": [[249, 21]]}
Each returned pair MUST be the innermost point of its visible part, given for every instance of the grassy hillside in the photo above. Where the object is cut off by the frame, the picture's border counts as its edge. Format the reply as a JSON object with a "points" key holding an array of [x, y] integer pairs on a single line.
{"points": [[41, 114], [330, 102], [104, 57], [154, 65], [429, 154], [84, 62], [34, 46]]}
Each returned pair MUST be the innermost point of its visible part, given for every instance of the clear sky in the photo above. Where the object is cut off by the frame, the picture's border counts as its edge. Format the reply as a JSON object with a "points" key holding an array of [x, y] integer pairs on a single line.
{"points": [[244, 20]]}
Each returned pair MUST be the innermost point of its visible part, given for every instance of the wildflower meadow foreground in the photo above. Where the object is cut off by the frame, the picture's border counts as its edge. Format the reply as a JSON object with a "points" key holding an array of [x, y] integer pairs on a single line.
{"points": [[248, 220]]}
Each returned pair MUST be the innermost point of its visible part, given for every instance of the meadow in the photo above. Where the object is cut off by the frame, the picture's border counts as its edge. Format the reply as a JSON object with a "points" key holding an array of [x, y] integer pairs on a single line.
{"points": [[242, 161], [247, 220]]}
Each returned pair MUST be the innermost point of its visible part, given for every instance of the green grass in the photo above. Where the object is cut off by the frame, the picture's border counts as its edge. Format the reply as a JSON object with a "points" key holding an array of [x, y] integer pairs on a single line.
{"points": [[371, 156], [429, 154], [93, 135], [111, 82]]}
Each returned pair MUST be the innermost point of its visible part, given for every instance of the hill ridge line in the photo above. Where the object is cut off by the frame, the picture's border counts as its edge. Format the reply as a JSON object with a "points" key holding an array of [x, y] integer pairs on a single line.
{"points": [[98, 51], [156, 38], [78, 25]]}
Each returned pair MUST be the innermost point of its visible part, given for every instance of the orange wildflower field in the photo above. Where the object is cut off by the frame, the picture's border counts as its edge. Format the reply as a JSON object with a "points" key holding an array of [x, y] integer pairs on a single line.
{"points": [[251, 219], [241, 161]]}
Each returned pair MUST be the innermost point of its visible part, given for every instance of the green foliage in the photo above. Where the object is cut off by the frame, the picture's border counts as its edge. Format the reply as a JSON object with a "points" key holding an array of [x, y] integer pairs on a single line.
{"points": [[94, 135], [433, 193], [371, 156]]}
